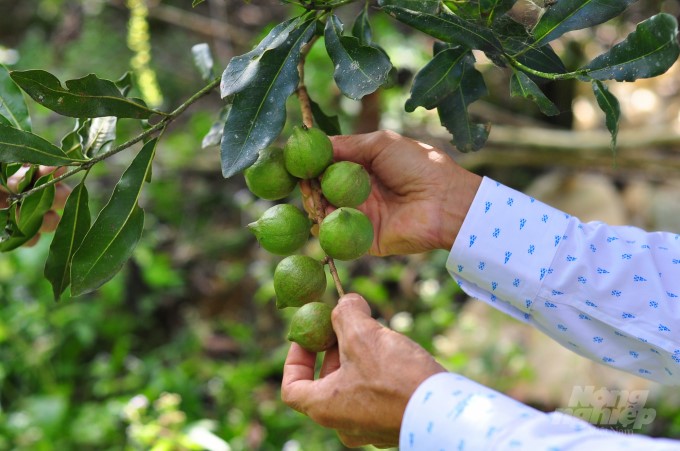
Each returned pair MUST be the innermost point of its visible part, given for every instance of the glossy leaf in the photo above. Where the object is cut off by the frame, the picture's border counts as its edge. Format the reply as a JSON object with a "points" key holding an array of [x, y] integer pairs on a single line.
{"points": [[469, 10], [648, 51], [438, 79], [113, 236], [329, 124], [362, 28], [244, 70], [448, 28], [195, 3], [30, 216], [203, 60], [89, 96], [4, 221], [609, 104], [13, 109], [18, 146], [214, 135], [567, 15], [125, 83], [517, 40], [97, 135], [425, 6], [453, 111], [74, 224], [523, 86], [258, 112], [8, 221], [359, 69], [495, 9]]}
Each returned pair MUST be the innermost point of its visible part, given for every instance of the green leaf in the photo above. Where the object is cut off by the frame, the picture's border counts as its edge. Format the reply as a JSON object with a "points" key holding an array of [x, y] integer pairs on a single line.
{"points": [[31, 213], [425, 6], [568, 15], [609, 104], [517, 40], [4, 222], [648, 51], [85, 97], [13, 109], [7, 170], [196, 3], [125, 83], [10, 228], [448, 28], [453, 111], [438, 79], [359, 69], [468, 10], [214, 135], [74, 224], [495, 9], [97, 135], [258, 112], [113, 236], [243, 70], [203, 60], [523, 86], [18, 146], [329, 124], [362, 28]]}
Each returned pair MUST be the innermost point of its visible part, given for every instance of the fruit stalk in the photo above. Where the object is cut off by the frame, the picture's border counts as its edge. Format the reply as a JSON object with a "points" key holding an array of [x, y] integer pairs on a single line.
{"points": [[313, 184]]}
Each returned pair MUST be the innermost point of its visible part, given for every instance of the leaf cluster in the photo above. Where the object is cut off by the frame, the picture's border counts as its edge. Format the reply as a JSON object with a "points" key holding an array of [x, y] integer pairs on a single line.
{"points": [[83, 254], [256, 85]]}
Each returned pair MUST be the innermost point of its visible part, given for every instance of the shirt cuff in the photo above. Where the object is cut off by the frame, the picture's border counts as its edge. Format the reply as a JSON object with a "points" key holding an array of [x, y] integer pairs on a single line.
{"points": [[450, 409], [505, 248]]}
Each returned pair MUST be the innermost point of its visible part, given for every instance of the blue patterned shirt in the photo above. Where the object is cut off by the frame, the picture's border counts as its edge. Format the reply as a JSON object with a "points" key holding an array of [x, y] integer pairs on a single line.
{"points": [[609, 293]]}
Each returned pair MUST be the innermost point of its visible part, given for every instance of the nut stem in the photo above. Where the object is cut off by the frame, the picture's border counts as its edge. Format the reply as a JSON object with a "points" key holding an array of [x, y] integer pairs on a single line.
{"points": [[314, 185]]}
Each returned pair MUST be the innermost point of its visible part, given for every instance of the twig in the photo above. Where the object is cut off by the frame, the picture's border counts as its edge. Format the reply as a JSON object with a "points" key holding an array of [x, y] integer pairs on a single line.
{"points": [[88, 164]]}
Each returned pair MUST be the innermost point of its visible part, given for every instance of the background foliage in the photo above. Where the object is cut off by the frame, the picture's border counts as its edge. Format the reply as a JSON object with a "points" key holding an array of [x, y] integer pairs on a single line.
{"points": [[191, 313]]}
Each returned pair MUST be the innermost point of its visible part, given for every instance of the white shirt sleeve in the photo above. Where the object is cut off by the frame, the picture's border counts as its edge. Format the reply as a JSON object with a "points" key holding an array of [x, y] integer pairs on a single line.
{"points": [[609, 293], [449, 412]]}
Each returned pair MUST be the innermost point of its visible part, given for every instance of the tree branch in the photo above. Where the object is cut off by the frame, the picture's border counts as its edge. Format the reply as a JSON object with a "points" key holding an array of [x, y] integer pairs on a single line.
{"points": [[13, 198]]}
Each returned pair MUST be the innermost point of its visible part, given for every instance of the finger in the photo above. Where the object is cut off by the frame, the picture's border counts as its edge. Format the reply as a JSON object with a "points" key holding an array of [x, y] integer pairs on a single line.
{"points": [[44, 170], [16, 178], [352, 318], [362, 149], [298, 377], [356, 440], [331, 362]]}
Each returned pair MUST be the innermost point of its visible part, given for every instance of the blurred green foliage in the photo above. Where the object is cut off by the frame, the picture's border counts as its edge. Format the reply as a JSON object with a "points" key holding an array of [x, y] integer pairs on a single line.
{"points": [[187, 338]]}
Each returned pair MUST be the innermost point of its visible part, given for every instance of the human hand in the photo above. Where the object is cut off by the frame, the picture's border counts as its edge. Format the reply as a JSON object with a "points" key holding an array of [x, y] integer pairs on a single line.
{"points": [[365, 382], [51, 218], [419, 196]]}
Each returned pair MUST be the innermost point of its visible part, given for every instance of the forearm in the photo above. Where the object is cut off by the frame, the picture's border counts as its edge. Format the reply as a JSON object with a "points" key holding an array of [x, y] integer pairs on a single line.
{"points": [[448, 411], [605, 292]]}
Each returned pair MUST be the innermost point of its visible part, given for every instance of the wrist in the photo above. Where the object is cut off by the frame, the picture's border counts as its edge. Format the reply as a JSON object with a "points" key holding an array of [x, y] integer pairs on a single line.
{"points": [[457, 197]]}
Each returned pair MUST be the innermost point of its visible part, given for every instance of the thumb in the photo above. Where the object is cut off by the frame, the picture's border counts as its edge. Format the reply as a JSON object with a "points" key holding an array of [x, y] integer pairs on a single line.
{"points": [[351, 316]]}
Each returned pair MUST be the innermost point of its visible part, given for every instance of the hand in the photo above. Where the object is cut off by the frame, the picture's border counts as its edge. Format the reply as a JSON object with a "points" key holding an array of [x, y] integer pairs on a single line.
{"points": [[420, 196], [365, 382], [51, 218]]}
